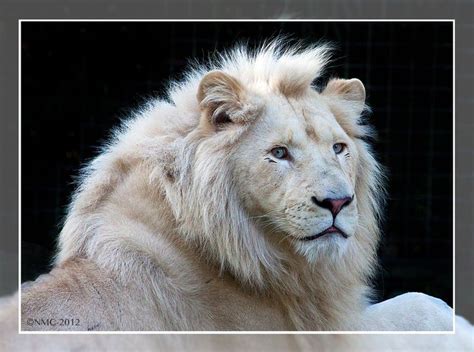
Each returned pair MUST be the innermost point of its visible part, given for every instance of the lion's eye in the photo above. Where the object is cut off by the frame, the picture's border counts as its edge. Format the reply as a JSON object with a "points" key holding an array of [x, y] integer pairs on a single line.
{"points": [[280, 152], [338, 147]]}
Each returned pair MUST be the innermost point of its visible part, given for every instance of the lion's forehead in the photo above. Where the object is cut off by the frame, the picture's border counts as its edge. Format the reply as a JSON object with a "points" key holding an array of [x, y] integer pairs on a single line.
{"points": [[301, 122]]}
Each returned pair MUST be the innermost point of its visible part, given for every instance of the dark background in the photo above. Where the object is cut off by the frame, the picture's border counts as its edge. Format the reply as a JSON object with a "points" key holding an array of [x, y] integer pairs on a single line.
{"points": [[80, 79]]}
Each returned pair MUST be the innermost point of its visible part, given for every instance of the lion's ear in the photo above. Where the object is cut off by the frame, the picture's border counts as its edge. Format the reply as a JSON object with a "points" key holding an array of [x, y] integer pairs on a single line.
{"points": [[349, 90], [223, 99]]}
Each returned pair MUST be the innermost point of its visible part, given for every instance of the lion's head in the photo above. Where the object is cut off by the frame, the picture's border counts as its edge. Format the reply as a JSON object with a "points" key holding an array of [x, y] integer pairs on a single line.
{"points": [[274, 168]]}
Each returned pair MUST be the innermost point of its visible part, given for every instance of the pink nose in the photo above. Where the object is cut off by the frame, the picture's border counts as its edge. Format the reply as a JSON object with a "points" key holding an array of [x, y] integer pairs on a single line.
{"points": [[334, 205]]}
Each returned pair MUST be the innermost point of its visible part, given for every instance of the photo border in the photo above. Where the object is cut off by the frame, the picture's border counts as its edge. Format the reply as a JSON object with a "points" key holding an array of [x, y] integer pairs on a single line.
{"points": [[230, 332]]}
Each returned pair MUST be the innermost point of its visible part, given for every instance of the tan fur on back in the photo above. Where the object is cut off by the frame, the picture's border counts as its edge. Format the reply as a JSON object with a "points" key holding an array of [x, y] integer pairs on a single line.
{"points": [[171, 227]]}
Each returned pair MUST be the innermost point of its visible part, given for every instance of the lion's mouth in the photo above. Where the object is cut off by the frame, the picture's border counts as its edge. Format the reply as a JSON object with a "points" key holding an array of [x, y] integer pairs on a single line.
{"points": [[329, 230]]}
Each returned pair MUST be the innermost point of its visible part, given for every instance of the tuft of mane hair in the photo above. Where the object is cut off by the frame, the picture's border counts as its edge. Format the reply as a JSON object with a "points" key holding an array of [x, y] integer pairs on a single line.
{"points": [[277, 65]]}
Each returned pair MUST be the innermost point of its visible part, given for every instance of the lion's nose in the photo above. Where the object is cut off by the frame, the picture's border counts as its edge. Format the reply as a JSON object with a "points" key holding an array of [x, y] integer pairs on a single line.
{"points": [[333, 204]]}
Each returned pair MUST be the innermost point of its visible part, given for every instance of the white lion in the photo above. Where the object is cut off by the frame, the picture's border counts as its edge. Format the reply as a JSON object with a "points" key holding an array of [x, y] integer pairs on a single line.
{"points": [[246, 201]]}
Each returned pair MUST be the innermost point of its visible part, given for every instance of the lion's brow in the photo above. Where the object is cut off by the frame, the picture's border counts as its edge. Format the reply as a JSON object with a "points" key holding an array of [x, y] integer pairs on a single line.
{"points": [[309, 128]]}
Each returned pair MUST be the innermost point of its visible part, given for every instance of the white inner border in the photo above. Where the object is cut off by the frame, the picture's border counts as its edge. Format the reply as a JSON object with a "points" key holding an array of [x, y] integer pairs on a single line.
{"points": [[234, 332]]}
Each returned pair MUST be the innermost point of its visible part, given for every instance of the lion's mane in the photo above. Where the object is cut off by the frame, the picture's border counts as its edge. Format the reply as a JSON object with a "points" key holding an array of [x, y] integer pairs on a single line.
{"points": [[189, 176]]}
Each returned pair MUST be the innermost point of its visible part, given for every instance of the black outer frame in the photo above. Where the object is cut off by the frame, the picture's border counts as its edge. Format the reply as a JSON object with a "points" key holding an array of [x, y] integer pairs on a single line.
{"points": [[460, 11]]}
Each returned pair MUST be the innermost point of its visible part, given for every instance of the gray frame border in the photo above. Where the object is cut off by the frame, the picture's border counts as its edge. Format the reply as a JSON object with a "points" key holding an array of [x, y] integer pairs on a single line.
{"points": [[459, 10]]}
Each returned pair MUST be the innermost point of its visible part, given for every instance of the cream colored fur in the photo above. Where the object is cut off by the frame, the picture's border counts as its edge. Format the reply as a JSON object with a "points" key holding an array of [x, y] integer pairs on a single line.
{"points": [[186, 221]]}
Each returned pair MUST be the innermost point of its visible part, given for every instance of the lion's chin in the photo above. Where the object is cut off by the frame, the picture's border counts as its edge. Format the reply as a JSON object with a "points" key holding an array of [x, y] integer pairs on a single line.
{"points": [[328, 247]]}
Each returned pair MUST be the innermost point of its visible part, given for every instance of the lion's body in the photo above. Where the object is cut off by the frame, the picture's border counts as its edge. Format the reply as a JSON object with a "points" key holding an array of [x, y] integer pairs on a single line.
{"points": [[99, 302], [91, 300], [164, 231]]}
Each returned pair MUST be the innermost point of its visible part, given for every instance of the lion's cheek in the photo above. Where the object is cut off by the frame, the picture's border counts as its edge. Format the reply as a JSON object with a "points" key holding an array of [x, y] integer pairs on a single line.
{"points": [[266, 197], [264, 194]]}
